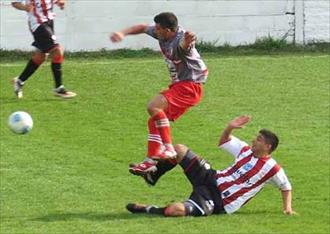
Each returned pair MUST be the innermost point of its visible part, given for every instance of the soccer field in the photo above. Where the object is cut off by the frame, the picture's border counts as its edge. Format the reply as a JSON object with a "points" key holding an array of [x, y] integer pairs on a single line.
{"points": [[70, 173]]}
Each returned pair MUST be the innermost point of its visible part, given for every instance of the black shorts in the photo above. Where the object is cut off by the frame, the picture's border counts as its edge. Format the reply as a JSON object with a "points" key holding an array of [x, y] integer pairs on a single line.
{"points": [[44, 37], [205, 198]]}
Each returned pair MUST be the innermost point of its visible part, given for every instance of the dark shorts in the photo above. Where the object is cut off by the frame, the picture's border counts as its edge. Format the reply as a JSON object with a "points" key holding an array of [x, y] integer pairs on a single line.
{"points": [[205, 198], [44, 37]]}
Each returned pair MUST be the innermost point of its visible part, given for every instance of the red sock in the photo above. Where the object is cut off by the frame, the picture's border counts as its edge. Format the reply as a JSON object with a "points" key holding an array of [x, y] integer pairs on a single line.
{"points": [[163, 126], [154, 140]]}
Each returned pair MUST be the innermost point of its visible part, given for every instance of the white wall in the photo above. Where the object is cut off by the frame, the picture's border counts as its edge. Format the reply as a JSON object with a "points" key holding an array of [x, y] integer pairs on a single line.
{"points": [[317, 20], [85, 24]]}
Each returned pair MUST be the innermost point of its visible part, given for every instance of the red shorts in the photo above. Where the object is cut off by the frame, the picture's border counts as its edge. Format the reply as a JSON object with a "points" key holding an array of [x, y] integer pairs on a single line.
{"points": [[180, 97]]}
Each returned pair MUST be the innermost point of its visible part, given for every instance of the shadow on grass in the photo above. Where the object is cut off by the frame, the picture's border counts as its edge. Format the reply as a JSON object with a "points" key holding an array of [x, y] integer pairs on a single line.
{"points": [[104, 217], [123, 216], [90, 216]]}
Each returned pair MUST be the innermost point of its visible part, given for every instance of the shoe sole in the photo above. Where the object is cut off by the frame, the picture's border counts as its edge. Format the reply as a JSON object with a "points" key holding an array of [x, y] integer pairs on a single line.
{"points": [[64, 96], [144, 172], [145, 175]]}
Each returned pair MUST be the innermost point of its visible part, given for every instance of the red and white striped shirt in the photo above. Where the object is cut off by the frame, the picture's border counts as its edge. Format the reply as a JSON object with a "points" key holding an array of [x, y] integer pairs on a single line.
{"points": [[42, 12], [247, 176]]}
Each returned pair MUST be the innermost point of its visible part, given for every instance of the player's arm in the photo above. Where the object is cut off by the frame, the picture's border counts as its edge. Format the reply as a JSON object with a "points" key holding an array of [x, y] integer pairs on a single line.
{"points": [[23, 7], [281, 181], [133, 30], [287, 202], [60, 4], [238, 122]]}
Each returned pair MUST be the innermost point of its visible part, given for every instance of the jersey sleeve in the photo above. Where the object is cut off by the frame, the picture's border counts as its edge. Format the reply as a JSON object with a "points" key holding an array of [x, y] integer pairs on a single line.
{"points": [[234, 146], [151, 31], [281, 181]]}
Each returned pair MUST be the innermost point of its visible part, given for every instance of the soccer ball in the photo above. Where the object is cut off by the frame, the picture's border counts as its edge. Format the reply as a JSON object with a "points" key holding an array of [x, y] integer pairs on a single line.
{"points": [[20, 122]]}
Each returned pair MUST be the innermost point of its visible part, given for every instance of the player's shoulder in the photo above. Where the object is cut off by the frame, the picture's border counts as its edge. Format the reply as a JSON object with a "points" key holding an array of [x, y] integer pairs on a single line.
{"points": [[271, 163], [180, 32], [244, 149], [245, 152]]}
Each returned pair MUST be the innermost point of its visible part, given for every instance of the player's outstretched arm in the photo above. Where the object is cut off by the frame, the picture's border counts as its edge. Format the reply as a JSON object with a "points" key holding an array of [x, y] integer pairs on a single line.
{"points": [[22, 7], [136, 29], [287, 203], [238, 122], [60, 4]]}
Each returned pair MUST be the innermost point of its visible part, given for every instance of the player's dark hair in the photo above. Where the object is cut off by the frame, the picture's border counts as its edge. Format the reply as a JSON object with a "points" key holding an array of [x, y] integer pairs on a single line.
{"points": [[167, 20], [270, 138]]}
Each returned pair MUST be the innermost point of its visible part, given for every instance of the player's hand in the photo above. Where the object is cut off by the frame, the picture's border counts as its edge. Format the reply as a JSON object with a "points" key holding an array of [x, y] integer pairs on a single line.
{"points": [[117, 36], [60, 4], [189, 39], [289, 212], [240, 121], [29, 7]]}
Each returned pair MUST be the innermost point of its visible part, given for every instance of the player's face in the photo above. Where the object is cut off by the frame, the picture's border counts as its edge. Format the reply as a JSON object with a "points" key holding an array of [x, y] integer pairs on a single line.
{"points": [[162, 33], [259, 145]]}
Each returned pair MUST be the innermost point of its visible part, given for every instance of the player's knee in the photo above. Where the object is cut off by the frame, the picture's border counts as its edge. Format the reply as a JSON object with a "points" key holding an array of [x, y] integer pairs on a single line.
{"points": [[181, 151], [152, 109], [175, 209], [157, 104], [38, 58], [58, 59], [57, 55]]}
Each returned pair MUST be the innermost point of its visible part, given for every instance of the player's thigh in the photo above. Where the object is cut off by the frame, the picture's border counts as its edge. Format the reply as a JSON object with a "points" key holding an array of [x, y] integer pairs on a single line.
{"points": [[44, 38], [159, 102]]}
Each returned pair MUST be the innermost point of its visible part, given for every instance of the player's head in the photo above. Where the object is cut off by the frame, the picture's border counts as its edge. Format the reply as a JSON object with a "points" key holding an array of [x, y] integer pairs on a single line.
{"points": [[166, 24], [167, 20], [265, 142]]}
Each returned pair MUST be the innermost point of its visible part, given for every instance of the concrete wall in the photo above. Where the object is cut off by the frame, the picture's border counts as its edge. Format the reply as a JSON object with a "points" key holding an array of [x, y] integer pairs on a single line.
{"points": [[86, 24], [317, 20]]}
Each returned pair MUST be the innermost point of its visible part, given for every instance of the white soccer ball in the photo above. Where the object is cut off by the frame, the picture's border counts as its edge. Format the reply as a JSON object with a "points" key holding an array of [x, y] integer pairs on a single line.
{"points": [[20, 122]]}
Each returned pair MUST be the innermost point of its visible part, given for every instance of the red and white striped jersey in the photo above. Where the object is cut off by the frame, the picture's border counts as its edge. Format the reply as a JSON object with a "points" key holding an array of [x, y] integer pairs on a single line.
{"points": [[42, 12], [247, 176]]}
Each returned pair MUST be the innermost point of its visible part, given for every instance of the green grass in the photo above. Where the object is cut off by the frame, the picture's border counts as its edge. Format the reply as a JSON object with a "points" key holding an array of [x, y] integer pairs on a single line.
{"points": [[69, 174]]}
